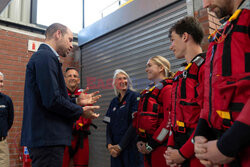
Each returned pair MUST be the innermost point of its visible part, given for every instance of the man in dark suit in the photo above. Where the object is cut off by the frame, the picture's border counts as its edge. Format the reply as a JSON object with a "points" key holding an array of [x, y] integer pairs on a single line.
{"points": [[49, 113]]}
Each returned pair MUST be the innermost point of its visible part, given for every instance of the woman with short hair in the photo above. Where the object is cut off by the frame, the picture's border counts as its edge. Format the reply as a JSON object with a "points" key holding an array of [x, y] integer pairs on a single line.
{"points": [[120, 135]]}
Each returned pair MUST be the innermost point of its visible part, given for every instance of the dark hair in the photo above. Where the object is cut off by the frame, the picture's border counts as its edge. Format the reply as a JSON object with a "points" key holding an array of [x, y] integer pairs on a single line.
{"points": [[53, 28], [70, 68], [189, 25]]}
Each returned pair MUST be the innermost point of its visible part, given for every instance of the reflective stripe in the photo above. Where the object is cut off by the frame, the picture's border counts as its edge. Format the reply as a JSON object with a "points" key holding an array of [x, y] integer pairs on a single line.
{"points": [[180, 124], [141, 130], [162, 135], [106, 119], [151, 89], [223, 114], [133, 114], [198, 61], [159, 85], [192, 140]]}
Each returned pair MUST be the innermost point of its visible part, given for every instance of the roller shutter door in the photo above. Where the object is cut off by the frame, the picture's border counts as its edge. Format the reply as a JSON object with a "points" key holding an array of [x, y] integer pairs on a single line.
{"points": [[128, 48]]}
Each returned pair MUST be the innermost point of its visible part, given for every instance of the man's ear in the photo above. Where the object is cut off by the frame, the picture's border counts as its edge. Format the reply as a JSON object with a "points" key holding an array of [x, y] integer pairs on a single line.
{"points": [[185, 36], [58, 34]]}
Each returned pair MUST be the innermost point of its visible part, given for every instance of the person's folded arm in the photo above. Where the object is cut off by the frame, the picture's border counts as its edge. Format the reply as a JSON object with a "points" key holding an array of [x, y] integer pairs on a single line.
{"points": [[237, 137], [108, 136], [129, 136], [187, 150]]}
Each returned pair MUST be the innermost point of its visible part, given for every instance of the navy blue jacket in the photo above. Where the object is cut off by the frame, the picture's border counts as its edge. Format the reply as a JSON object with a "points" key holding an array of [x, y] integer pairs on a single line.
{"points": [[48, 111], [120, 130], [119, 119], [6, 114]]}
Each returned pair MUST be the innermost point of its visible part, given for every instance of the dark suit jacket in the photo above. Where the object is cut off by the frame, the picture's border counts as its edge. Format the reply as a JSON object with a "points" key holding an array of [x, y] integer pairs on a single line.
{"points": [[48, 111]]}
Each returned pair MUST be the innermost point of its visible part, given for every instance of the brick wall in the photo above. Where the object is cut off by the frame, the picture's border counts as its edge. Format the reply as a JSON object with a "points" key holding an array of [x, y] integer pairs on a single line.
{"points": [[14, 56], [209, 23]]}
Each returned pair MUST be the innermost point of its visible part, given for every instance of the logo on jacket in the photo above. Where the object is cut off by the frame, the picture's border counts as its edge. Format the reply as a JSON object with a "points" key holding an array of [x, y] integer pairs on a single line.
{"points": [[123, 104]]}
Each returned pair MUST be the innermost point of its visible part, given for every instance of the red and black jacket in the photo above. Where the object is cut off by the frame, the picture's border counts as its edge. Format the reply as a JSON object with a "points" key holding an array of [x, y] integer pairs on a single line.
{"points": [[186, 105], [82, 123], [226, 109], [151, 119]]}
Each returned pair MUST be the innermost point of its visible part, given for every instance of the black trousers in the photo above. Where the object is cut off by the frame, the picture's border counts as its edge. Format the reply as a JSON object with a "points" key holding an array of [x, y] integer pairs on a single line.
{"points": [[49, 156]]}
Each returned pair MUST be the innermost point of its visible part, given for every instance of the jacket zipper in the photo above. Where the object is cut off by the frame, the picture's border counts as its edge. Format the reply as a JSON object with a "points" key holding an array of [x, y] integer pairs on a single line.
{"points": [[210, 85], [175, 103]]}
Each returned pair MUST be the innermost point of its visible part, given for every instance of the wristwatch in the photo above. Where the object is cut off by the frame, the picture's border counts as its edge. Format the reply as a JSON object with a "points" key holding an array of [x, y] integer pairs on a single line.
{"points": [[148, 148]]}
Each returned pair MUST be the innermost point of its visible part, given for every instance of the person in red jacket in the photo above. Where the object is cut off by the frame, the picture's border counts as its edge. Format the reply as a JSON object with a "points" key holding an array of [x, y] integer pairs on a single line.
{"points": [[151, 119], [186, 37], [79, 149], [223, 132]]}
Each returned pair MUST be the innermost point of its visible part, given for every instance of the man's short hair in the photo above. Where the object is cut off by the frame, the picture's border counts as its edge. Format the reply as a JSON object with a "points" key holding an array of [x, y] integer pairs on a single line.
{"points": [[71, 68], [1, 74], [189, 25], [53, 28]]}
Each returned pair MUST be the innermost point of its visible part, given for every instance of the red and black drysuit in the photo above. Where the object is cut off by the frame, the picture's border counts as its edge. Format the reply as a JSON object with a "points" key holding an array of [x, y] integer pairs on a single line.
{"points": [[79, 149], [185, 111], [151, 121], [226, 109]]}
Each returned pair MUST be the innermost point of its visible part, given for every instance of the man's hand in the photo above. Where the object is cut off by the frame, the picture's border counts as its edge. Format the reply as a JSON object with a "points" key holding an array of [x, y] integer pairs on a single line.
{"points": [[88, 112], [199, 148], [199, 145], [213, 154], [87, 99], [173, 157]]}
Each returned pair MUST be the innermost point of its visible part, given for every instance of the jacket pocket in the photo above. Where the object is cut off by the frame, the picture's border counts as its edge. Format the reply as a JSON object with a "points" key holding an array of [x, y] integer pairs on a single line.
{"points": [[148, 121]]}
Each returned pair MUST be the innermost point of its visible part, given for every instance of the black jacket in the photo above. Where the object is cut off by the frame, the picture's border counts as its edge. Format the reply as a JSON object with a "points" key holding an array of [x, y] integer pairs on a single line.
{"points": [[6, 114]]}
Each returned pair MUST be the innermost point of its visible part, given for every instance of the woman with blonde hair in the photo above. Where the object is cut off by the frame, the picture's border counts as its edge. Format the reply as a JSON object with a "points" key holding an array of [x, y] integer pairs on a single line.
{"points": [[120, 136], [152, 119]]}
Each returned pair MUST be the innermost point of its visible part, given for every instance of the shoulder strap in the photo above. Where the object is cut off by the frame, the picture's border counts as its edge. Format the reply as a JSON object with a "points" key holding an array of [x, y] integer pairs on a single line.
{"points": [[226, 56]]}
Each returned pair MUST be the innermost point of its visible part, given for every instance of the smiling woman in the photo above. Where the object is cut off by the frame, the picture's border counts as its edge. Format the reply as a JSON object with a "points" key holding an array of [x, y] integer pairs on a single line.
{"points": [[120, 135]]}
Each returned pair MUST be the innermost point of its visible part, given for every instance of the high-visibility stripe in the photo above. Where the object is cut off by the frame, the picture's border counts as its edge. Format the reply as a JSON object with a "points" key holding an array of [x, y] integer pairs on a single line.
{"points": [[106, 119], [141, 130], [235, 15], [223, 114], [187, 67], [162, 135], [180, 124]]}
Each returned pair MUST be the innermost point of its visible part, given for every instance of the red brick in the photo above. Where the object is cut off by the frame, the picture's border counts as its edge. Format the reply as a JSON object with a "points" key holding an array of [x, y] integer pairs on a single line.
{"points": [[203, 12]]}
